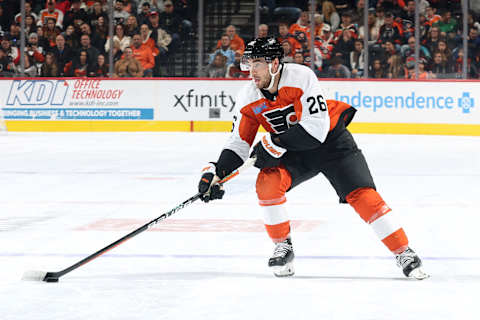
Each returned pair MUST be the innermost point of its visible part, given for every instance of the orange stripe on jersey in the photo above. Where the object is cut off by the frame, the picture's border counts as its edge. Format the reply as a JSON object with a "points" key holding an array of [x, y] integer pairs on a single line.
{"points": [[278, 232], [335, 109], [397, 242]]}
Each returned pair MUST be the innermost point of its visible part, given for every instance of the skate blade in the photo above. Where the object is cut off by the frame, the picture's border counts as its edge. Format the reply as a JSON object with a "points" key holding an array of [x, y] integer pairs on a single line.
{"points": [[418, 274], [284, 271]]}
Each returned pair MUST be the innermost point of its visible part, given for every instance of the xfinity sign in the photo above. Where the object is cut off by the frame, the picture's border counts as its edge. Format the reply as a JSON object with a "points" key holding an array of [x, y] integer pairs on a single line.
{"points": [[37, 92]]}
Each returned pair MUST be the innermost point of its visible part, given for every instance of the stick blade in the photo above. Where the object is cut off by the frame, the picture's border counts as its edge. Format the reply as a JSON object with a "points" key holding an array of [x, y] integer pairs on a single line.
{"points": [[34, 275]]}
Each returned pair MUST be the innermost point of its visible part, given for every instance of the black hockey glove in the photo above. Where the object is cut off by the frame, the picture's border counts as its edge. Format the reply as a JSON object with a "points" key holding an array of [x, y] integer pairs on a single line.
{"points": [[268, 154], [208, 186]]}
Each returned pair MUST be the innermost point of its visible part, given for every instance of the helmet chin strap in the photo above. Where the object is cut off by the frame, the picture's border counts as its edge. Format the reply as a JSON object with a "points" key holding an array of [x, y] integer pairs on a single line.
{"points": [[272, 80]]}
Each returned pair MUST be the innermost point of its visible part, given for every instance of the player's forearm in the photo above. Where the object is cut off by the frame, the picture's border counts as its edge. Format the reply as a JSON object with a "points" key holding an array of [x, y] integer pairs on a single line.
{"points": [[227, 162]]}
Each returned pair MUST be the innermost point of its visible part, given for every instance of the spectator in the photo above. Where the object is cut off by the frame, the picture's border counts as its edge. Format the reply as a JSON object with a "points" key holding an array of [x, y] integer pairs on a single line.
{"points": [[171, 22], [409, 12], [131, 26], [302, 25], [101, 30], [6, 64], [298, 58], [395, 67], [143, 54], [236, 43], [30, 69], [144, 13], [75, 15], [119, 14], [433, 37], [42, 41], [408, 50], [337, 69], [51, 13], [159, 49], [96, 13], [379, 17], [30, 25], [344, 46], [422, 72], [12, 52], [50, 32], [357, 59], [288, 51], [80, 64], [440, 68], [376, 71], [262, 30], [446, 24], [473, 43], [373, 29], [389, 31], [145, 32], [432, 17], [472, 71], [284, 35], [34, 51], [218, 67], [14, 34], [346, 25], [330, 15], [325, 43], [50, 67], [100, 69], [225, 50], [357, 14], [28, 12], [96, 42], [157, 30], [128, 66], [130, 6], [234, 70], [120, 37], [443, 48], [63, 55], [92, 51], [71, 37]]}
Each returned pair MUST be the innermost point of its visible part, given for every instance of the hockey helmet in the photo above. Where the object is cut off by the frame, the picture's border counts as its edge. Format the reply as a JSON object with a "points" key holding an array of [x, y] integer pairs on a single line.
{"points": [[268, 48]]}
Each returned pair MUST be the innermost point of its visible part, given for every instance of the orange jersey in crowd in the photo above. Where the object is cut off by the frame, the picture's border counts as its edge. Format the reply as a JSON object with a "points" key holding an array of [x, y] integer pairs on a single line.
{"points": [[300, 101], [236, 44], [144, 55], [56, 14]]}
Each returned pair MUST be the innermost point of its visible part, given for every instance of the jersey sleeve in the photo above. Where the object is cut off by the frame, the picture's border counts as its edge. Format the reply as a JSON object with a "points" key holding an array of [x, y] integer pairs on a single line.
{"points": [[244, 130], [314, 124]]}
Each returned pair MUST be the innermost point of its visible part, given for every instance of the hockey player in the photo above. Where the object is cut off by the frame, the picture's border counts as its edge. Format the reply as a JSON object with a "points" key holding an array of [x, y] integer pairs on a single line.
{"points": [[306, 136]]}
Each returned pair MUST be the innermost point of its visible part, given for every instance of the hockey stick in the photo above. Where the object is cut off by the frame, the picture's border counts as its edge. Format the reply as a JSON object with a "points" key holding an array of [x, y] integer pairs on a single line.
{"points": [[54, 276]]}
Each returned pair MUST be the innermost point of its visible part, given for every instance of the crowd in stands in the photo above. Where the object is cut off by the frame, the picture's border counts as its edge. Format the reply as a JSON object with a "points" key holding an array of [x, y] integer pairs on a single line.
{"points": [[71, 37], [339, 40]]}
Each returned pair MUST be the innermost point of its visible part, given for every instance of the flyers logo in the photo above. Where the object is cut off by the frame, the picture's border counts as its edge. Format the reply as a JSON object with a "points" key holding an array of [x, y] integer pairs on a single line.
{"points": [[281, 119]]}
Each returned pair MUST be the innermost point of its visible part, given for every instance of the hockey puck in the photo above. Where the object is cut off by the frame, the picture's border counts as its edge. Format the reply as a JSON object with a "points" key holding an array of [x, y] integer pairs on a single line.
{"points": [[51, 280]]}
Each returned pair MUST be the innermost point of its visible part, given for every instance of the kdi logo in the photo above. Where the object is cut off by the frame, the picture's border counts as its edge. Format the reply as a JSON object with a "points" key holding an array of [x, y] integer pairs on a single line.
{"points": [[37, 92]]}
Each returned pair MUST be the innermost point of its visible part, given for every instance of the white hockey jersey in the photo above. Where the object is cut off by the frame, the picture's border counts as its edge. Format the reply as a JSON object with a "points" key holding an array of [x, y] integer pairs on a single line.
{"points": [[300, 101]]}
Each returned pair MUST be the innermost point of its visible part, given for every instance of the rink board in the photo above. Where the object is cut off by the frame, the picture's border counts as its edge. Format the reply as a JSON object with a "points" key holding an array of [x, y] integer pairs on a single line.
{"points": [[204, 105]]}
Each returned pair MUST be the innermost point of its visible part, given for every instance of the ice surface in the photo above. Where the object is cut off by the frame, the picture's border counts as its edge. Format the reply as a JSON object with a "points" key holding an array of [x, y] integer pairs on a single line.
{"points": [[65, 195]]}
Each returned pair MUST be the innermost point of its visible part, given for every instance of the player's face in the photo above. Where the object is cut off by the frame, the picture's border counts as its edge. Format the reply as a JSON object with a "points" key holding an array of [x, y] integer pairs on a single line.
{"points": [[259, 73]]}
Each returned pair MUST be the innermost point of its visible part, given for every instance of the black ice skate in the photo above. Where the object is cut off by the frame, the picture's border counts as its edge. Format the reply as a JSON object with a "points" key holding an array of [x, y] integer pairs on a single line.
{"points": [[282, 260], [411, 264]]}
